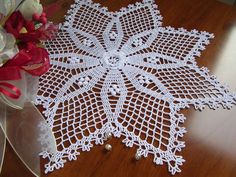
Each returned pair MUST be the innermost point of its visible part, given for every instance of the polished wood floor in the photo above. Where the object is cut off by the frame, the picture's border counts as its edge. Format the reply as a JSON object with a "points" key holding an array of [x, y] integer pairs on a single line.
{"points": [[211, 139]]}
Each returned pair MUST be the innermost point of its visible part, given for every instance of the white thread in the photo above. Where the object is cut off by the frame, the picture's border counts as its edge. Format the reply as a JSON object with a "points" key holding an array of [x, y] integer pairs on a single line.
{"points": [[123, 74]]}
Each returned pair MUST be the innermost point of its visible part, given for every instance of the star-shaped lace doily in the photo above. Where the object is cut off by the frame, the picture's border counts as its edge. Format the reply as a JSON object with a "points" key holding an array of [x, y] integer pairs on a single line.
{"points": [[123, 74]]}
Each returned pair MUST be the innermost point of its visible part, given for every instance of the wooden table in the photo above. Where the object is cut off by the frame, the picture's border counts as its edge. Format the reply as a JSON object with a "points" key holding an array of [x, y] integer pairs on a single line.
{"points": [[211, 139]]}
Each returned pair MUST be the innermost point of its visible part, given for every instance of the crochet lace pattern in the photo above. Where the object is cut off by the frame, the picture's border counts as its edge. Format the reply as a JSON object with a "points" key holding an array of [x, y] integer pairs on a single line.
{"points": [[122, 73]]}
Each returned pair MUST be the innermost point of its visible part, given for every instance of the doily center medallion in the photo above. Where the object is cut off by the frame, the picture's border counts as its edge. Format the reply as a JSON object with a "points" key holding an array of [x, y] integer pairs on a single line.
{"points": [[114, 59], [122, 73]]}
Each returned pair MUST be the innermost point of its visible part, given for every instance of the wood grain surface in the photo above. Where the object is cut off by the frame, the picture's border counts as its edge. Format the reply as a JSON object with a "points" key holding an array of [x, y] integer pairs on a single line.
{"points": [[211, 138]]}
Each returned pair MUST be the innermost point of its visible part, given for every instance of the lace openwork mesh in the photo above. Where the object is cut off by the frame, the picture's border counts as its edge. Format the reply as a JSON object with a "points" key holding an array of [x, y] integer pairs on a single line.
{"points": [[124, 74]]}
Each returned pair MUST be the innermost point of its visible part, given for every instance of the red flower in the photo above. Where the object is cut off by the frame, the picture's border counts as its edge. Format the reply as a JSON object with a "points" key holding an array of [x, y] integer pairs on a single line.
{"points": [[48, 31], [16, 22], [33, 59], [39, 63]]}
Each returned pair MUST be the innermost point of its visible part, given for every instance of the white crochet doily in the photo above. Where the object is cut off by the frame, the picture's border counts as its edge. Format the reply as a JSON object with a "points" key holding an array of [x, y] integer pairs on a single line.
{"points": [[123, 74]]}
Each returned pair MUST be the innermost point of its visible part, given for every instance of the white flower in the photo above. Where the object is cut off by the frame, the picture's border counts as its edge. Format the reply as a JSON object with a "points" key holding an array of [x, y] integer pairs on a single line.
{"points": [[144, 80], [30, 7], [6, 6], [83, 81], [8, 47], [152, 59], [87, 42], [113, 35], [138, 42], [114, 89]]}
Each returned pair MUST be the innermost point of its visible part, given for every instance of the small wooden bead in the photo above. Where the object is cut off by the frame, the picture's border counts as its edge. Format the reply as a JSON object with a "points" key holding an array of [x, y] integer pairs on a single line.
{"points": [[137, 156], [108, 147]]}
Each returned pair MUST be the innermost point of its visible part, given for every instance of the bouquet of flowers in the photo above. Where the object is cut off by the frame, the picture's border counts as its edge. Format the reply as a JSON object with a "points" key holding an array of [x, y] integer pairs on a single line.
{"points": [[23, 27], [21, 33]]}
